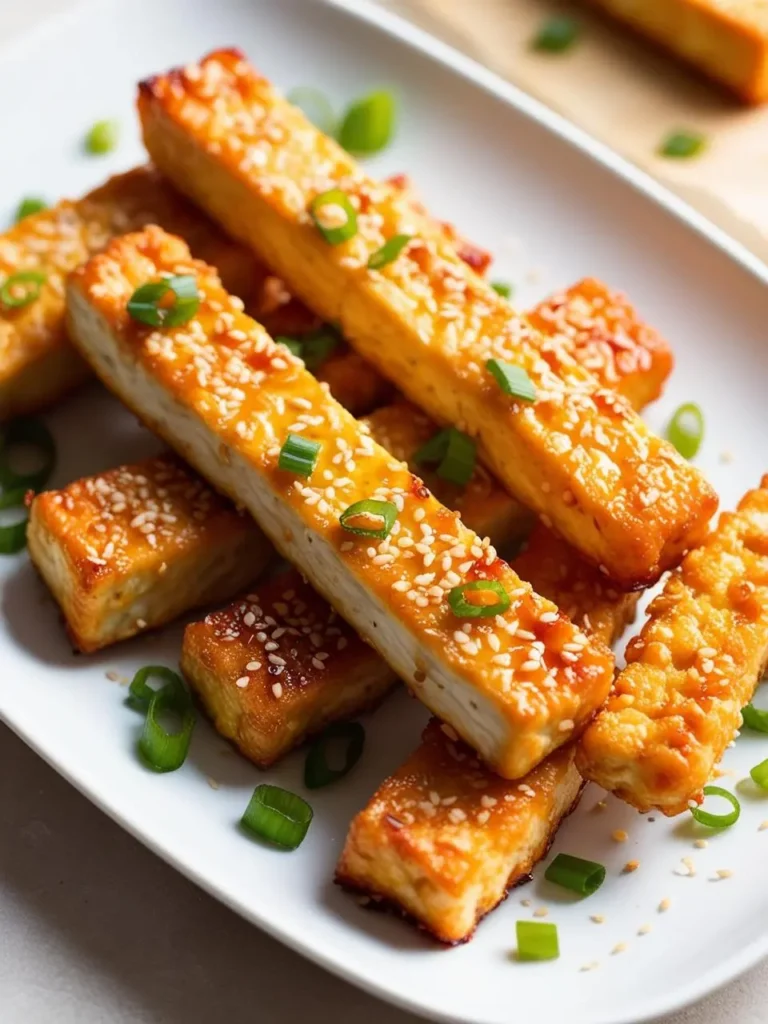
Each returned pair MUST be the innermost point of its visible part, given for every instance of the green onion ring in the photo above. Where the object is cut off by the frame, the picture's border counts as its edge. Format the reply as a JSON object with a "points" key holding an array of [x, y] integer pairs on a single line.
{"points": [[754, 718], [718, 820], [369, 123], [161, 750], [464, 609], [26, 430], [31, 282], [145, 303], [389, 252], [317, 771], [380, 514], [582, 876], [537, 940], [140, 693], [277, 815], [686, 429], [334, 233], [13, 538], [760, 774]]}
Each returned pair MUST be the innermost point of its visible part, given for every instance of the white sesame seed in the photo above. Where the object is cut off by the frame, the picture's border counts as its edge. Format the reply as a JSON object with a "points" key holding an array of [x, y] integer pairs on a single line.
{"points": [[242, 682]]}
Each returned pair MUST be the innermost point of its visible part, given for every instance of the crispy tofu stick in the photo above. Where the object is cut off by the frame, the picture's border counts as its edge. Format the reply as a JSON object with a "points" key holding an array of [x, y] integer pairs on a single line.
{"points": [[577, 455], [133, 548], [444, 839], [677, 704], [222, 392]]}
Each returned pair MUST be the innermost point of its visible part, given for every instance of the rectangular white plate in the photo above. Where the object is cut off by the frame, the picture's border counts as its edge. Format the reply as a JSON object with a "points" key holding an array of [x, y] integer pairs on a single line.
{"points": [[554, 206]]}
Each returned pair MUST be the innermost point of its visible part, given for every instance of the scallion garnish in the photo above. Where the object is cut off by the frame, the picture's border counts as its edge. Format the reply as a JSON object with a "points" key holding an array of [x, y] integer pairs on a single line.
{"points": [[102, 137], [683, 145], [582, 876], [334, 215], [760, 774], [480, 599], [277, 815], [316, 107], [13, 537], [718, 820], [166, 750], [26, 432], [28, 206], [368, 124], [512, 379], [389, 252], [299, 455], [502, 288], [140, 693], [686, 429], [755, 718], [317, 771], [20, 289], [454, 454], [149, 304], [557, 34], [537, 940], [369, 518], [313, 349]]}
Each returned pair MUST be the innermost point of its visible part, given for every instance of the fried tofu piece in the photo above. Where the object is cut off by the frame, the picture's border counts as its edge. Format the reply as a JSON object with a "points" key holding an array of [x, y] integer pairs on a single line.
{"points": [[602, 331], [726, 40], [37, 363], [130, 549], [226, 396], [577, 454], [278, 666], [676, 706]]}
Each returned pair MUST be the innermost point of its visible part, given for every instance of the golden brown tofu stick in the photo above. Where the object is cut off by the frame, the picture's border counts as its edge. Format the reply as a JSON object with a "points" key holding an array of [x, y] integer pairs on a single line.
{"points": [[576, 454], [676, 706]]}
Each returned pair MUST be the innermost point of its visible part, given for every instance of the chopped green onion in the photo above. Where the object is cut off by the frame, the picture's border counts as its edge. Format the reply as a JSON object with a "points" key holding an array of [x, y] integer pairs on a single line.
{"points": [[13, 537], [537, 940], [292, 344], [147, 303], [368, 123], [163, 750], [316, 107], [369, 518], [299, 455], [755, 718], [277, 815], [478, 600], [28, 206], [141, 693], [582, 876], [26, 431], [557, 34], [317, 771], [683, 145], [20, 289], [102, 138], [313, 349], [718, 820], [760, 774], [512, 379], [502, 288], [686, 429], [389, 252], [453, 451], [334, 216]]}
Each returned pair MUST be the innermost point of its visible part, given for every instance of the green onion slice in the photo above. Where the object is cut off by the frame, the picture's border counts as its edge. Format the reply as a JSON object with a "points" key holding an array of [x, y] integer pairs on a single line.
{"points": [[760, 774], [313, 349], [582, 876], [21, 289], [480, 599], [683, 145], [277, 815], [389, 252], [718, 820], [166, 750], [537, 940], [26, 431], [368, 124], [299, 455], [148, 305], [454, 453], [28, 206], [502, 288], [102, 137], [686, 429], [557, 35], [317, 771], [512, 379], [316, 107], [334, 216], [13, 537], [369, 518], [755, 718], [140, 693]]}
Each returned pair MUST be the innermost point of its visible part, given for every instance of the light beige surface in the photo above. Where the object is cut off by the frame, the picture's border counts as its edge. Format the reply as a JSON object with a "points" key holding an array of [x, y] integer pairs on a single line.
{"points": [[95, 928]]}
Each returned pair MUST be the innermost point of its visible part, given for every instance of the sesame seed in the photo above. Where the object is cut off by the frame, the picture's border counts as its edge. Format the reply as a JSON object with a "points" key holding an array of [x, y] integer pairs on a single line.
{"points": [[644, 929], [277, 689], [723, 873], [541, 912], [620, 947], [212, 782], [664, 905], [630, 866], [253, 666], [701, 844], [619, 835], [449, 732], [242, 682], [597, 918]]}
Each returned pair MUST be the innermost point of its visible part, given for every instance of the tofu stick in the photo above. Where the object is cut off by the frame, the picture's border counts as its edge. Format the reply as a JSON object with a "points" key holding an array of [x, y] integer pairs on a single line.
{"points": [[227, 397], [572, 451], [695, 664]]}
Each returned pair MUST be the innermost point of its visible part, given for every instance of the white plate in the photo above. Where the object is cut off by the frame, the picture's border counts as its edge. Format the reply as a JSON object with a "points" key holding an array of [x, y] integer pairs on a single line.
{"points": [[554, 206]]}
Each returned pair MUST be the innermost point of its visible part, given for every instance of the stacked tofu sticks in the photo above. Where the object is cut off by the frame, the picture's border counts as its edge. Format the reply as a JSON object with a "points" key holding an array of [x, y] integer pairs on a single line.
{"points": [[511, 658]]}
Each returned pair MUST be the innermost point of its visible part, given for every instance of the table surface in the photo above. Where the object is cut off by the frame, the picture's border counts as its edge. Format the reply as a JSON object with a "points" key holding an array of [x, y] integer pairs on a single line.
{"points": [[94, 928]]}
